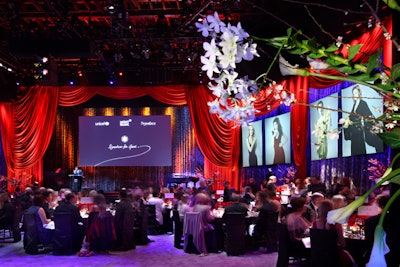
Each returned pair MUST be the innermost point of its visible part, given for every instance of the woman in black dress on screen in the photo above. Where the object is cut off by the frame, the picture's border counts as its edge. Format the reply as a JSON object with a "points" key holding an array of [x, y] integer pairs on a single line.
{"points": [[280, 139], [251, 143]]}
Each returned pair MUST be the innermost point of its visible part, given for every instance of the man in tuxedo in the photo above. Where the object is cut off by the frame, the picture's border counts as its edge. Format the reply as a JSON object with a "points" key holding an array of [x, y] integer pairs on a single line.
{"points": [[78, 229], [236, 206]]}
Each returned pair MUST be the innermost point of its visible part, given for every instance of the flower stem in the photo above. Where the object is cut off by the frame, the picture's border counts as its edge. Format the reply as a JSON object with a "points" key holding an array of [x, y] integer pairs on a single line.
{"points": [[349, 79]]}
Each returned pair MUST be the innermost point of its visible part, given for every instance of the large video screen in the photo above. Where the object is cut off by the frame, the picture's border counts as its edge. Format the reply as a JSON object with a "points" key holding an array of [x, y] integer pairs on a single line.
{"points": [[277, 139], [252, 141], [324, 121], [359, 104], [125, 141]]}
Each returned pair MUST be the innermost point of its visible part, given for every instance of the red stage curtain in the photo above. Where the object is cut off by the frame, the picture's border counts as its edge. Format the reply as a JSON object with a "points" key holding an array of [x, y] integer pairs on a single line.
{"points": [[33, 120], [218, 140], [299, 119], [7, 134]]}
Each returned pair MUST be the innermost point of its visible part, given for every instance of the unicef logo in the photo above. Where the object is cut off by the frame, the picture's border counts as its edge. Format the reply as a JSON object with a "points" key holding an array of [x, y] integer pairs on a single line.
{"points": [[124, 139]]}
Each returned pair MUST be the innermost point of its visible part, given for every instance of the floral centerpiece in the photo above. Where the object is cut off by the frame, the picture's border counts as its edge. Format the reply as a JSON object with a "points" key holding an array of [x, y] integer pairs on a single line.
{"points": [[235, 96]]}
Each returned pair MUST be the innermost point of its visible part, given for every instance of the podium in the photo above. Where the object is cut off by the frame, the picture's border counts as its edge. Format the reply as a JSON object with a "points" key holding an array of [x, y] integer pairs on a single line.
{"points": [[75, 182]]}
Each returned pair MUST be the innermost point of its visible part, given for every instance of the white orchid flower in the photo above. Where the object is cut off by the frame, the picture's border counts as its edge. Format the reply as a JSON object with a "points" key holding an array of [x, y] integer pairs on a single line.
{"points": [[212, 50], [210, 66]]}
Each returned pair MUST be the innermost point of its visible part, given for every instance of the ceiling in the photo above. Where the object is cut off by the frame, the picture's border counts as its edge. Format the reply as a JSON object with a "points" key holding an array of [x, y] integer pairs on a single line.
{"points": [[151, 41]]}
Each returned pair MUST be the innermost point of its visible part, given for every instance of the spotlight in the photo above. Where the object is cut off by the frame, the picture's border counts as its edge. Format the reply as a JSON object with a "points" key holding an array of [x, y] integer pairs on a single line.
{"points": [[71, 82], [45, 59], [111, 82], [120, 73]]}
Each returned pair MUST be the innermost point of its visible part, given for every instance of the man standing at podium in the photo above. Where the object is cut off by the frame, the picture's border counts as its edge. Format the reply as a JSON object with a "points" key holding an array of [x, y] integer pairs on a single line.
{"points": [[78, 171], [77, 179]]}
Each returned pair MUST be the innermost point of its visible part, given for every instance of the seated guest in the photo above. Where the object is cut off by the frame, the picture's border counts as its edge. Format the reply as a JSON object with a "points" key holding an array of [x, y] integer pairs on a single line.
{"points": [[45, 233], [247, 195], [236, 206], [183, 206], [311, 212], [316, 185], [265, 226], [78, 229], [339, 201], [324, 207], [203, 205], [124, 210], [100, 235], [297, 225], [9, 216], [156, 200]]}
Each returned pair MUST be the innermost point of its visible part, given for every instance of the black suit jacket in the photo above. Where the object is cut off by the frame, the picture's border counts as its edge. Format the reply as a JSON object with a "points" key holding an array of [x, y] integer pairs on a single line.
{"points": [[67, 207], [235, 207]]}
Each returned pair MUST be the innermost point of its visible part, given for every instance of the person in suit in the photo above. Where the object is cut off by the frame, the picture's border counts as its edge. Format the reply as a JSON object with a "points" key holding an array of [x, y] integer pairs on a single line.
{"points": [[78, 229], [236, 206]]}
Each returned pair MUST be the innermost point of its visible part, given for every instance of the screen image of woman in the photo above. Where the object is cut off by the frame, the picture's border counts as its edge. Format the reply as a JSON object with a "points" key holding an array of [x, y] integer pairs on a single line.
{"points": [[321, 127], [280, 139], [251, 143], [359, 131]]}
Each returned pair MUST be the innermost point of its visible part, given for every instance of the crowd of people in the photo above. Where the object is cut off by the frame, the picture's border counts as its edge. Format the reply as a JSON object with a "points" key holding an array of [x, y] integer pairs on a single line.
{"points": [[110, 225]]}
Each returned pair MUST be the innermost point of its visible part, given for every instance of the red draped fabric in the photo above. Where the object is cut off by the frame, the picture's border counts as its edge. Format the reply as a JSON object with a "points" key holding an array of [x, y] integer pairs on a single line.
{"points": [[218, 140], [299, 113], [74, 95], [27, 125], [33, 118], [7, 133], [265, 103]]}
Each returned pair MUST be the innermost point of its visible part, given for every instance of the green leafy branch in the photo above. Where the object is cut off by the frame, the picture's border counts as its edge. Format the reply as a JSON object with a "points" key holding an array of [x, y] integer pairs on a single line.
{"points": [[372, 74]]}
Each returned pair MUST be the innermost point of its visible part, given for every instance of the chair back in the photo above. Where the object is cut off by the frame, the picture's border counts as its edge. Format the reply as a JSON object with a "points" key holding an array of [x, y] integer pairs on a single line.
{"points": [[152, 224], [31, 236], [193, 226], [324, 248], [63, 243], [178, 229], [128, 237], [235, 232]]}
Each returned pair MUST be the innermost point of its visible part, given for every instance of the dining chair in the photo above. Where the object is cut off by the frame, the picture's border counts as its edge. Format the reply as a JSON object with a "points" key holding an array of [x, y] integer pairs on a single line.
{"points": [[194, 233], [31, 241], [287, 254], [235, 232], [63, 243], [178, 229], [324, 248]]}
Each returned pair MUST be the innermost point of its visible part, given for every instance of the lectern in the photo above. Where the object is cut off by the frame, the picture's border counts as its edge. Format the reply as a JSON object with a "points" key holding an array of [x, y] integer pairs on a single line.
{"points": [[75, 182]]}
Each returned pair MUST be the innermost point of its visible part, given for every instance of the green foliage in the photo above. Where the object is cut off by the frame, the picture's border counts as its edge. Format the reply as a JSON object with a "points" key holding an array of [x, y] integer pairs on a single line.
{"points": [[392, 138]]}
